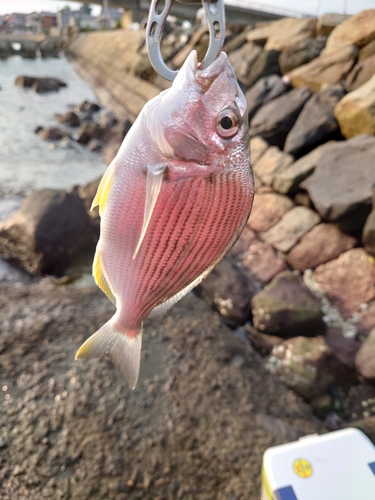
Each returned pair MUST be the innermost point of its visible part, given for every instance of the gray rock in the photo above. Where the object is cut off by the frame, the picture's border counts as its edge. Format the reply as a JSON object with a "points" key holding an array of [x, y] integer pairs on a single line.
{"points": [[341, 185], [360, 74], [275, 119], [243, 60], [272, 160], [40, 85], [287, 308], [230, 291], [264, 90], [301, 53], [316, 123], [46, 232], [288, 180], [305, 365], [290, 229], [51, 134], [267, 63]]}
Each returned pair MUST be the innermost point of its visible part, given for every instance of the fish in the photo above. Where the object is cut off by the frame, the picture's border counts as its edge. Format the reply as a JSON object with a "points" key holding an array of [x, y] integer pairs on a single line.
{"points": [[172, 203]]}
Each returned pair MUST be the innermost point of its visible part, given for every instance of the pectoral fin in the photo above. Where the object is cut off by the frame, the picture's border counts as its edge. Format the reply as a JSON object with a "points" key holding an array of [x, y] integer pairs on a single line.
{"points": [[103, 189], [153, 186]]}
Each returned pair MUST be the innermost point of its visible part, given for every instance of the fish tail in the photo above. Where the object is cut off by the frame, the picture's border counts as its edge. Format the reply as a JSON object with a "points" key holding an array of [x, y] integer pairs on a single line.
{"points": [[123, 348]]}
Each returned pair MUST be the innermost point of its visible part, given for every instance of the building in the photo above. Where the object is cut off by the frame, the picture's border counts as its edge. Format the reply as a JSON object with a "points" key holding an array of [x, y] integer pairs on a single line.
{"points": [[33, 23], [15, 23], [48, 20]]}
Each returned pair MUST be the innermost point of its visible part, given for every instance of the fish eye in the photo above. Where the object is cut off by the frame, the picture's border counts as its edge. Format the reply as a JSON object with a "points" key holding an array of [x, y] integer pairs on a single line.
{"points": [[227, 123]]}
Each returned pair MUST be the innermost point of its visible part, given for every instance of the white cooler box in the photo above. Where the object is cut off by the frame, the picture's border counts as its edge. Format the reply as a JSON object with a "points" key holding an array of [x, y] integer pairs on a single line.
{"points": [[335, 466]]}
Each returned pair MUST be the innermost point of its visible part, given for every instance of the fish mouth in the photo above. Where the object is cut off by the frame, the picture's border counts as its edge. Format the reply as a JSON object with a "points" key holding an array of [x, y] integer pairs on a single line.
{"points": [[191, 74]]}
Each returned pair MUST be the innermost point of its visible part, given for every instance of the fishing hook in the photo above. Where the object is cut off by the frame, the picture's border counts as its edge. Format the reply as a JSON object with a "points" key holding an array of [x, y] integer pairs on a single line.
{"points": [[215, 14]]}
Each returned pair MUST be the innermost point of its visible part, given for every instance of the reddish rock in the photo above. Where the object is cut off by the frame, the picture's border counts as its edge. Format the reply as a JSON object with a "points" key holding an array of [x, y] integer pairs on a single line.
{"points": [[262, 261], [268, 208], [292, 226], [286, 307], [365, 358], [305, 365], [243, 243], [230, 291], [344, 349], [366, 320], [348, 281], [323, 243]]}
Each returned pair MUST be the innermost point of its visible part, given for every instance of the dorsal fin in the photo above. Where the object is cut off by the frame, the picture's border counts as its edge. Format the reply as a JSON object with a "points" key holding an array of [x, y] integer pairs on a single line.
{"points": [[100, 278], [103, 189]]}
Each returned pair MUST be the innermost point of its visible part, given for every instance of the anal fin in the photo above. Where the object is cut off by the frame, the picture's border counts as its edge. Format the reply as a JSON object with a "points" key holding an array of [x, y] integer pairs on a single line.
{"points": [[153, 186], [100, 278]]}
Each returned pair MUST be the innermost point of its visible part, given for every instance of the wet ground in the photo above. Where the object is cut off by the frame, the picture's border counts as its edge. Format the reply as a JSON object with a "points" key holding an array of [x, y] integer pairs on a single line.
{"points": [[195, 427]]}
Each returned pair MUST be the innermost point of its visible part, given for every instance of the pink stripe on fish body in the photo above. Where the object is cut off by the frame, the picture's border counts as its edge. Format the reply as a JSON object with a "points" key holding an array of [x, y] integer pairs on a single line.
{"points": [[194, 223]]}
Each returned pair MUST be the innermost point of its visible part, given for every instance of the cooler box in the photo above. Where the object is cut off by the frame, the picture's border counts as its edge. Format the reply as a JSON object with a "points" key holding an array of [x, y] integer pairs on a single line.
{"points": [[335, 466]]}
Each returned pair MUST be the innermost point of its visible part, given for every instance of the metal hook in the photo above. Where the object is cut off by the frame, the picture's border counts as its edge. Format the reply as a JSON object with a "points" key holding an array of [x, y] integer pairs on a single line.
{"points": [[215, 14]]}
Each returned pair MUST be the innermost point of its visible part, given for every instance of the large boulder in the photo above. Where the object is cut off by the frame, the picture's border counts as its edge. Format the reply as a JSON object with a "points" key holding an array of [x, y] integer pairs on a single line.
{"points": [[360, 74], [291, 227], [323, 243], [288, 180], [47, 231], [358, 30], [287, 308], [329, 68], [348, 281], [263, 91], [267, 63], [305, 365], [288, 32], [268, 208], [341, 185], [243, 60], [271, 161], [368, 236], [328, 22], [356, 111], [316, 123], [301, 53], [275, 119]]}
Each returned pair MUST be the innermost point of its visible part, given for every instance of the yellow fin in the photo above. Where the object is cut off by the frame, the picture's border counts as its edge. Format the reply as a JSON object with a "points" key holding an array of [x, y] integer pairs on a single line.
{"points": [[103, 189], [100, 278]]}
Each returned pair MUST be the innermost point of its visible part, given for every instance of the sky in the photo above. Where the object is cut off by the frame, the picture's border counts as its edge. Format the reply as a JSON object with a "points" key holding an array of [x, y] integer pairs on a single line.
{"points": [[315, 7]]}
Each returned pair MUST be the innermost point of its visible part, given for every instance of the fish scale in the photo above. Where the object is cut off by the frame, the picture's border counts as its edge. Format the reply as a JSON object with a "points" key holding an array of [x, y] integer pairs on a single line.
{"points": [[172, 203]]}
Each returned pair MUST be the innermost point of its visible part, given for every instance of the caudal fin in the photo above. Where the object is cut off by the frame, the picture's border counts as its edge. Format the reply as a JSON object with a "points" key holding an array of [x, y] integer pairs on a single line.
{"points": [[124, 351]]}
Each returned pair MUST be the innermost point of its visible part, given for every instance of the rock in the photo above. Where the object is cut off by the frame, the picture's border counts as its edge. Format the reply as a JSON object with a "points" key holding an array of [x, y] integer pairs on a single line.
{"points": [[88, 191], [348, 281], [344, 349], [288, 32], [275, 119], [329, 69], [327, 22], [268, 208], [69, 118], [366, 425], [88, 131], [243, 59], [367, 51], [277, 427], [261, 342], [288, 179], [301, 53], [340, 192], [40, 85], [290, 229], [243, 243], [287, 308], [365, 358], [87, 106], [303, 199], [273, 160], [264, 90], [46, 232], [323, 243], [366, 321], [358, 30], [230, 291], [316, 123], [51, 134], [260, 34], [261, 261], [321, 405], [267, 63], [257, 147], [95, 145], [360, 74], [106, 119], [355, 112], [368, 236], [305, 365]]}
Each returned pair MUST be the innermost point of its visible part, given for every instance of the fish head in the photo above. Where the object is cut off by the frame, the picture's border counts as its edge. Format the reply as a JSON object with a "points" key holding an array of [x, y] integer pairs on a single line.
{"points": [[203, 116]]}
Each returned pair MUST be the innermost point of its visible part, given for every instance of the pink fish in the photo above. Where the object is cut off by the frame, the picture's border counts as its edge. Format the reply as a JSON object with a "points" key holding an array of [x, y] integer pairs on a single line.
{"points": [[172, 203]]}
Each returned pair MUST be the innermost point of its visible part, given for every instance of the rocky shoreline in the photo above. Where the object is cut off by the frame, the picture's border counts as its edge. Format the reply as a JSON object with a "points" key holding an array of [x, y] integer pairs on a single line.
{"points": [[297, 290]]}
